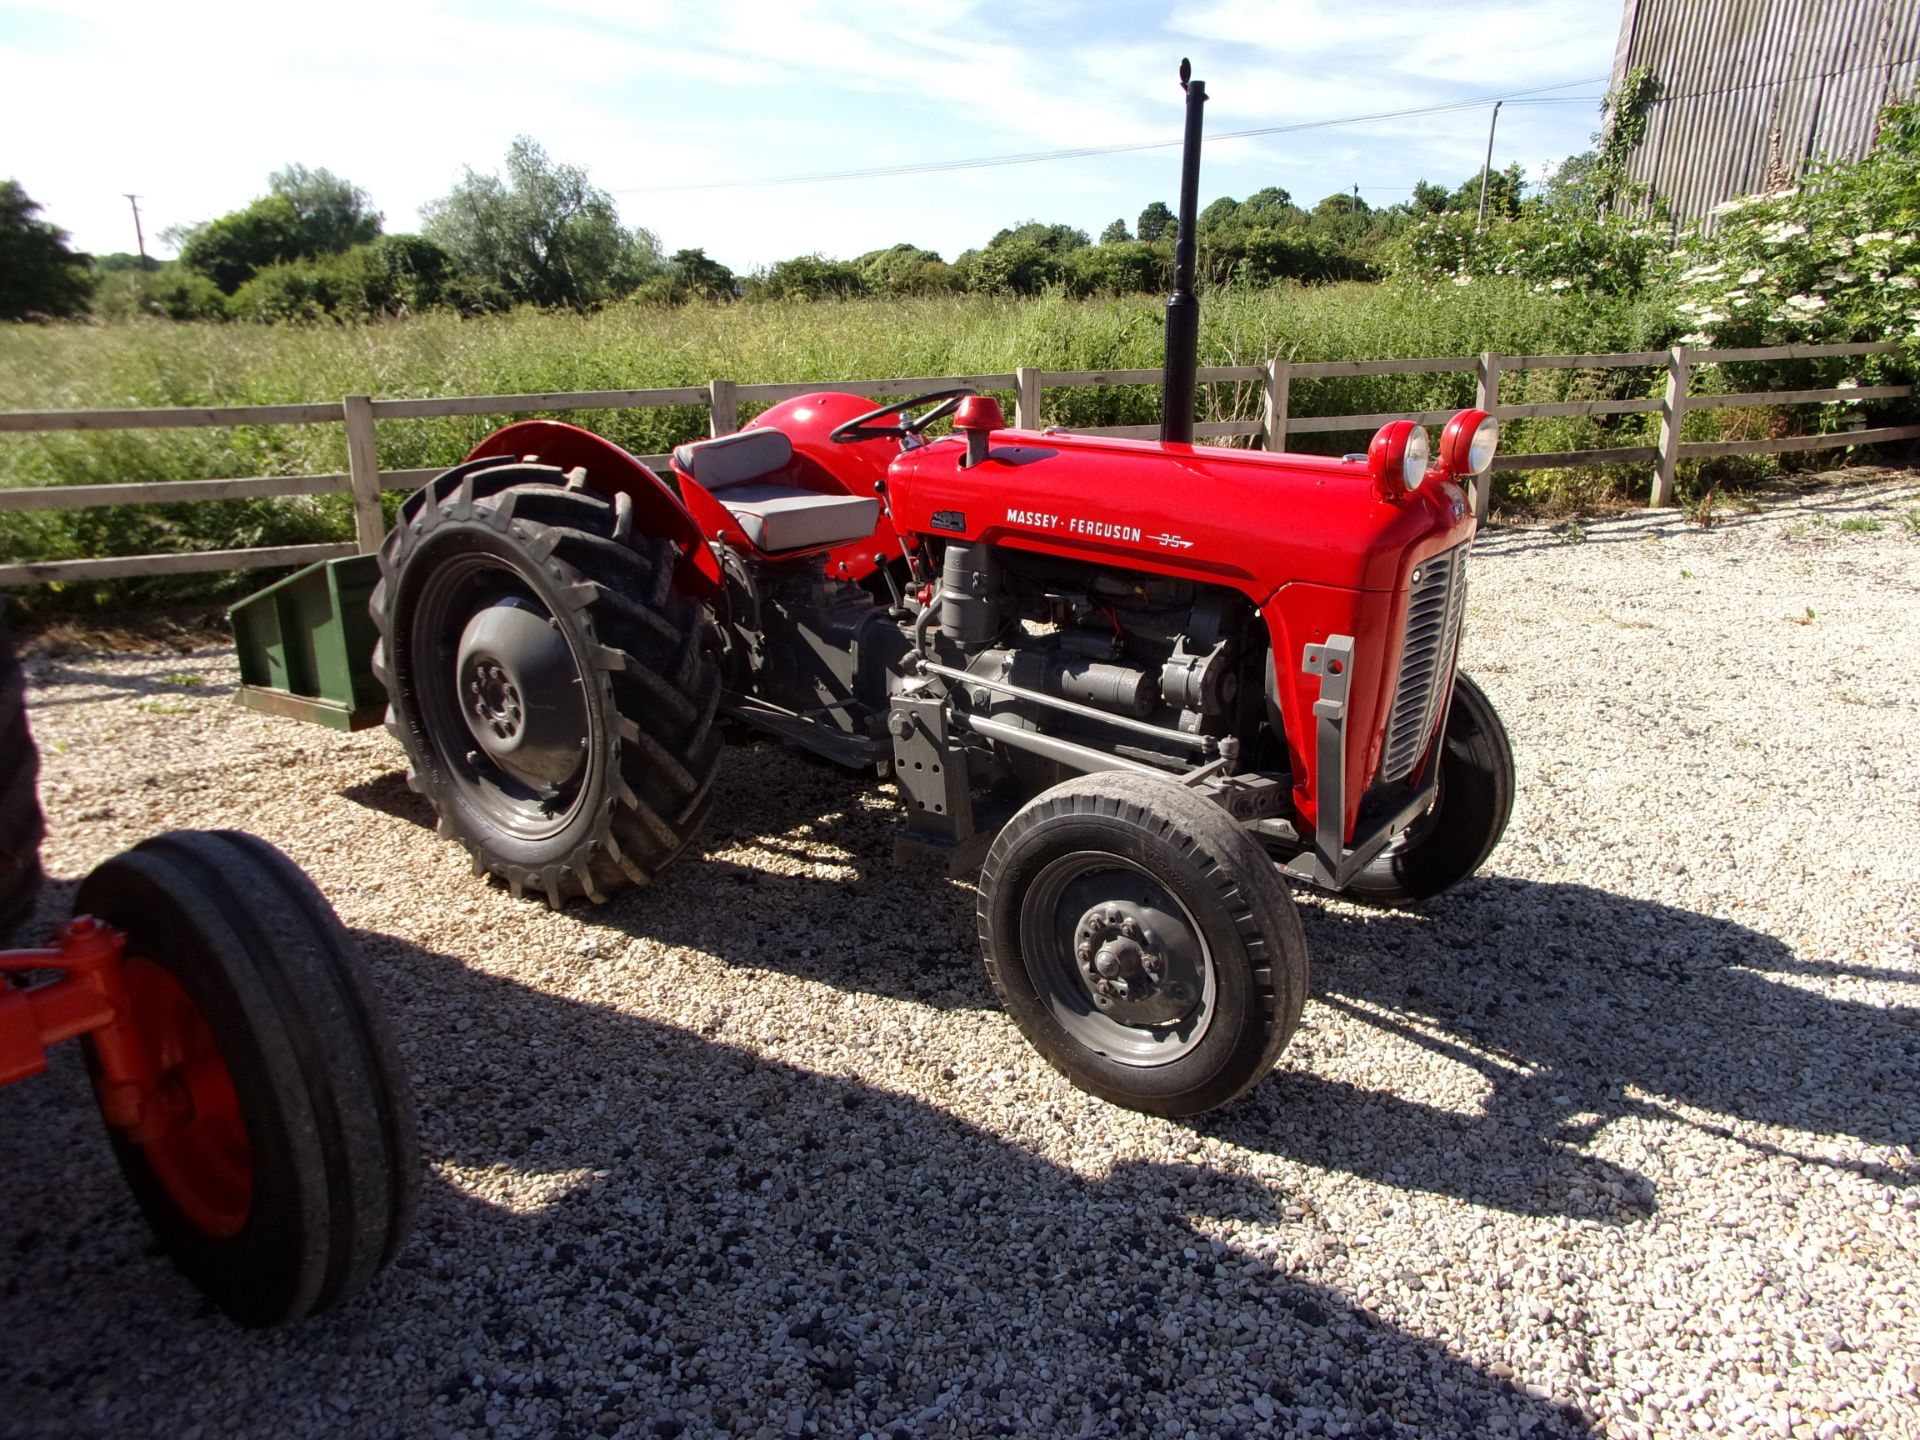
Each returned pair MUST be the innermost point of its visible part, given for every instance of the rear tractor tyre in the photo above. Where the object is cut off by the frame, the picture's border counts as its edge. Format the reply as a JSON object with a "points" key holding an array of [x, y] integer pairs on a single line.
{"points": [[1142, 942], [287, 1170], [554, 692], [1468, 816], [21, 825]]}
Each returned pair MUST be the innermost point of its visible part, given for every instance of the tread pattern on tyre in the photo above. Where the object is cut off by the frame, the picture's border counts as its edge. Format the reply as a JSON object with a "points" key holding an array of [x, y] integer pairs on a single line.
{"points": [[22, 825], [330, 1114], [1242, 877], [643, 641]]}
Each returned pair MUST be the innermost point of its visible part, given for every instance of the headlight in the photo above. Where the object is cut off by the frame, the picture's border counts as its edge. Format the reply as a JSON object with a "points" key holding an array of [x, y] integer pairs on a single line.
{"points": [[1413, 465], [1486, 440], [1397, 458], [1468, 443]]}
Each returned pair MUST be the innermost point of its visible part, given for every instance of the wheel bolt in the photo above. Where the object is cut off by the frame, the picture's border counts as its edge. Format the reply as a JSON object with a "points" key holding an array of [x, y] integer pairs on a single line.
{"points": [[1085, 953], [1131, 929]]}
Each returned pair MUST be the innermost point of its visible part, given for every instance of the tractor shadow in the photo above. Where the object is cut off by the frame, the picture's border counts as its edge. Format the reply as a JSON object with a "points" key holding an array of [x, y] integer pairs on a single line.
{"points": [[622, 1214], [1571, 1007], [1576, 1008]]}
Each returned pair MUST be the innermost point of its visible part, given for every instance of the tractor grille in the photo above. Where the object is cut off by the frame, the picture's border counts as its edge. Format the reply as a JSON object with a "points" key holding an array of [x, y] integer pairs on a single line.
{"points": [[1435, 603]]}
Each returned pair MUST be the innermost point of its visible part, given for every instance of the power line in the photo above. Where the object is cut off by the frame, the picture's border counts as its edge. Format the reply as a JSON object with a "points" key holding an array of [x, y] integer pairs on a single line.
{"points": [[934, 167]]}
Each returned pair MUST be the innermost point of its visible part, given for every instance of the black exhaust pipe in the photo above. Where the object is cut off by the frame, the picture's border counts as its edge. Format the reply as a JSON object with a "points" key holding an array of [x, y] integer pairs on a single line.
{"points": [[1183, 306]]}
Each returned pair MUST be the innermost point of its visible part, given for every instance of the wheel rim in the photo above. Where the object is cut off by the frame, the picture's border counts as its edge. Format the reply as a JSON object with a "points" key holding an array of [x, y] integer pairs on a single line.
{"points": [[200, 1154], [1117, 959], [501, 696]]}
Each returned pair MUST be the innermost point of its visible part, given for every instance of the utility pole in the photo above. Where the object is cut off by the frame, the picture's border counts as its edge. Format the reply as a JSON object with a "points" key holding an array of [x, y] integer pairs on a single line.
{"points": [[139, 236], [1355, 207], [1486, 165]]}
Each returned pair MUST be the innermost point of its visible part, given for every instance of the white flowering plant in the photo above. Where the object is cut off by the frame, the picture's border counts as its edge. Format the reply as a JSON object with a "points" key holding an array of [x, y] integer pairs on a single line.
{"points": [[1834, 259]]}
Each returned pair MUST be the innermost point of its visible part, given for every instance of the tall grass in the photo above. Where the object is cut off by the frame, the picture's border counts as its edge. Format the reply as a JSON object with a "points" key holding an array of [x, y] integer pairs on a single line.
{"points": [[170, 364]]}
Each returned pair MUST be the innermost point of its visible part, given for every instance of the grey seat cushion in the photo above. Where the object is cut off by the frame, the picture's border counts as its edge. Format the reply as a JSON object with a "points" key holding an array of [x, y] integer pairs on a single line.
{"points": [[737, 459], [784, 517]]}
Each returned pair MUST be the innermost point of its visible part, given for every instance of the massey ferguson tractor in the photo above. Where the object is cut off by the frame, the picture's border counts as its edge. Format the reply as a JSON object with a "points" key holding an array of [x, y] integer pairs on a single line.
{"points": [[1143, 687]]}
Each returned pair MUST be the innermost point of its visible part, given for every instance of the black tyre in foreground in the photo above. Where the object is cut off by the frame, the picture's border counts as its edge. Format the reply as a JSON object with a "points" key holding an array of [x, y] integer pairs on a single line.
{"points": [[283, 1168], [1469, 814], [21, 825], [551, 687], [1142, 942]]}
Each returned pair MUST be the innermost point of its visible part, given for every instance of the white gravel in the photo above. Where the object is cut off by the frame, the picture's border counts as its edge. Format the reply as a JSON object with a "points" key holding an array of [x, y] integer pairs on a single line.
{"points": [[1618, 1137]]}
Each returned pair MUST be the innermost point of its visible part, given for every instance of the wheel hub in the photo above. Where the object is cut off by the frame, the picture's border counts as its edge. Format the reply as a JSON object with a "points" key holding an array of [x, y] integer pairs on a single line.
{"points": [[1126, 968], [519, 694]]}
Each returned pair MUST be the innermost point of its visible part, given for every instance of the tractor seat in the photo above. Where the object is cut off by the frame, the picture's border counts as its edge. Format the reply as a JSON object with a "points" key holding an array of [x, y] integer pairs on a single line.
{"points": [[745, 472]]}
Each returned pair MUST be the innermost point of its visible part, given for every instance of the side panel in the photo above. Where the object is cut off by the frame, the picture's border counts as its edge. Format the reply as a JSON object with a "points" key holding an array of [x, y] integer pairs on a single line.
{"points": [[610, 471]]}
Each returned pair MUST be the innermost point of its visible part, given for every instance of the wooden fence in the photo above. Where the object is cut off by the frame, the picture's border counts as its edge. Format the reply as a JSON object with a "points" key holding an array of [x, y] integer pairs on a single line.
{"points": [[364, 480]]}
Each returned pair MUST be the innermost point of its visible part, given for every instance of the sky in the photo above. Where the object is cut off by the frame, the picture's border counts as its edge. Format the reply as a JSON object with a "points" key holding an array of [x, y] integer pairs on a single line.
{"points": [[673, 106]]}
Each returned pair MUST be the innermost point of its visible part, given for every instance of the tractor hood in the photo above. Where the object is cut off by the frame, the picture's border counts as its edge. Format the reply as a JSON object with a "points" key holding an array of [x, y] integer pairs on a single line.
{"points": [[1242, 518]]}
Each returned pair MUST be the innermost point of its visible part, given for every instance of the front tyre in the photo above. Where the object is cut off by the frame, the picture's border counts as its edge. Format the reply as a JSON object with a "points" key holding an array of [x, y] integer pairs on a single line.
{"points": [[1142, 942], [1469, 813], [554, 692], [278, 1161]]}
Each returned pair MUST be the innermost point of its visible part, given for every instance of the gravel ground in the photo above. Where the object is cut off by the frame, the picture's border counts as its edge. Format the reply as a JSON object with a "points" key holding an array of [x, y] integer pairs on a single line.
{"points": [[1616, 1138]]}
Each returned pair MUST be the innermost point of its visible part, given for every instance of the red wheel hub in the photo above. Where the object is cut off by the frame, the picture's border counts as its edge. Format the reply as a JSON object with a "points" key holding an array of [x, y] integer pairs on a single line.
{"points": [[197, 1144]]}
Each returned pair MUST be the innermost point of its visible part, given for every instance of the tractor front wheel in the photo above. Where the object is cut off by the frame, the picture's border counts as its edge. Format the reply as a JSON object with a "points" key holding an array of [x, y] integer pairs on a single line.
{"points": [[554, 692], [1468, 815], [1143, 942], [277, 1160]]}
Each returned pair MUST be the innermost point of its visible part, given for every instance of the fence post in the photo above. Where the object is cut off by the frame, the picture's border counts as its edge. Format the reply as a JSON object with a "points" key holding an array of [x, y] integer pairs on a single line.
{"points": [[1486, 396], [1274, 421], [363, 473], [726, 408], [1673, 411], [1026, 398]]}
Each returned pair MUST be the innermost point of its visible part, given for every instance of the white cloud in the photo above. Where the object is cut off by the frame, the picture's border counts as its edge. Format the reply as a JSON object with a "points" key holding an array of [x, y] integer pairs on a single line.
{"points": [[193, 106]]}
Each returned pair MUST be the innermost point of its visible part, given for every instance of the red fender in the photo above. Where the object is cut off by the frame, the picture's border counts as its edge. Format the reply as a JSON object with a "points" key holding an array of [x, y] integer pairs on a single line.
{"points": [[612, 471]]}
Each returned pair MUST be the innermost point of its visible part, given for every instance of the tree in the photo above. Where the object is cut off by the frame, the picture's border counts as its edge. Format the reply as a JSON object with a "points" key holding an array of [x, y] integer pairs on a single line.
{"points": [[541, 232], [39, 275], [231, 250], [1116, 234], [1219, 214], [333, 214], [1429, 198], [1155, 222], [906, 270], [810, 277], [696, 277], [1341, 202], [304, 215], [1055, 239], [1270, 206]]}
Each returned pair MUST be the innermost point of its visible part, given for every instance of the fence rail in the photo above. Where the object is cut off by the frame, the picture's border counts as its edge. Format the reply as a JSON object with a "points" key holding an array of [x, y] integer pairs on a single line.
{"points": [[365, 481]]}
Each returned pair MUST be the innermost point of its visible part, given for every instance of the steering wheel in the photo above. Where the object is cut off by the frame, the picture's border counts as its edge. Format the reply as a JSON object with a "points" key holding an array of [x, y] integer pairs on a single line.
{"points": [[861, 427]]}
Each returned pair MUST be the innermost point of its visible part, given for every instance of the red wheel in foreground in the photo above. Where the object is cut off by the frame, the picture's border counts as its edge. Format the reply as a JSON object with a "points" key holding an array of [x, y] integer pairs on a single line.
{"points": [[277, 1161], [201, 1157]]}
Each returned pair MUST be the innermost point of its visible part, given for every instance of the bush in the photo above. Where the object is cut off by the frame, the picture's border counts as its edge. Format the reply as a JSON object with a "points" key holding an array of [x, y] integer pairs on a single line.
{"points": [[1835, 260], [1559, 249], [809, 277]]}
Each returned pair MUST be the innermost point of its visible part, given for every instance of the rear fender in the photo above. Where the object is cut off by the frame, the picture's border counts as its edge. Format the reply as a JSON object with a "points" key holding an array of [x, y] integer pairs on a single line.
{"points": [[612, 471]]}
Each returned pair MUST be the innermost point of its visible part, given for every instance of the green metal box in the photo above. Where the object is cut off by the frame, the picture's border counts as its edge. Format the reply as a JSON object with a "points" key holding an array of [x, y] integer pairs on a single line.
{"points": [[306, 646]]}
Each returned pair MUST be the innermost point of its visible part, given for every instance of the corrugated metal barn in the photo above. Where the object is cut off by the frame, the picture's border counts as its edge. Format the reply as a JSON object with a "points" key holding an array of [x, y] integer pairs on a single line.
{"points": [[1750, 90]]}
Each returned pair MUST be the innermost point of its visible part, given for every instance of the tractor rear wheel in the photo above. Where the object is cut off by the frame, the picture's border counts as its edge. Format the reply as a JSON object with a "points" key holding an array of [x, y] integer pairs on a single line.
{"points": [[1143, 942], [1469, 812], [21, 824], [554, 692], [284, 1168]]}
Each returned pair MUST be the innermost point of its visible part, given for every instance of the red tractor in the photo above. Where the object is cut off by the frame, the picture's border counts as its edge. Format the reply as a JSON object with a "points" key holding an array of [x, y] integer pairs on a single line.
{"points": [[1151, 683], [251, 1087]]}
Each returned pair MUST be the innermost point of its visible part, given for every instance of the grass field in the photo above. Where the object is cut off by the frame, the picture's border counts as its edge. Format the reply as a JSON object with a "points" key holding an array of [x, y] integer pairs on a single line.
{"points": [[163, 364]]}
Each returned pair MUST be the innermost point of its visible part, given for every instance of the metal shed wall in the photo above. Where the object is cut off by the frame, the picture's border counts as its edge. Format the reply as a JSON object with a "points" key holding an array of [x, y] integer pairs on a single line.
{"points": [[1753, 89]]}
